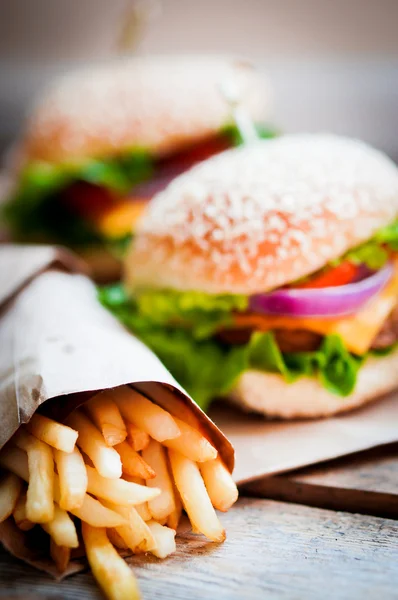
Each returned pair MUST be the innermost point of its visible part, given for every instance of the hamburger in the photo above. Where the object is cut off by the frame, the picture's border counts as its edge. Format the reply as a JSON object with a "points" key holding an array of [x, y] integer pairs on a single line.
{"points": [[100, 143], [269, 274]]}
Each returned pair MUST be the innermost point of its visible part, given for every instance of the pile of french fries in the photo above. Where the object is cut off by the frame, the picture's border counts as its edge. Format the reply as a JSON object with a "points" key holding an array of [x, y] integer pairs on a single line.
{"points": [[115, 476]]}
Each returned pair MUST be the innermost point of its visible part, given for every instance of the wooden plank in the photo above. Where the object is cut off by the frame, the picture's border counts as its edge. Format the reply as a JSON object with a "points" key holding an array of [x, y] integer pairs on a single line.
{"points": [[365, 483], [274, 550]]}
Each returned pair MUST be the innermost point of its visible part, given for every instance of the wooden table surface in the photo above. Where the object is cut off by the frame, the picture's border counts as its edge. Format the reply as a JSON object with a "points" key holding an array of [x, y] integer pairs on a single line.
{"points": [[328, 532]]}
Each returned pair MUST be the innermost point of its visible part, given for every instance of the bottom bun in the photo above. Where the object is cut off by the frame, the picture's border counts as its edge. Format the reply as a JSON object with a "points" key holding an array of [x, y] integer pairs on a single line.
{"points": [[104, 267], [269, 394]]}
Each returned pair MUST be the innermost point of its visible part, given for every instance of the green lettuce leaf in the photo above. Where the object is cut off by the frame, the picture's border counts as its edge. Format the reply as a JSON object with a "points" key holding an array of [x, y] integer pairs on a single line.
{"points": [[206, 368], [388, 235], [374, 253], [202, 313]]}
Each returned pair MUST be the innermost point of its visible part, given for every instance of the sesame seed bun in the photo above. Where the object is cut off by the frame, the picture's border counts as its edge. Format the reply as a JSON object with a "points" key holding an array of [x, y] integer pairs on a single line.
{"points": [[269, 394], [159, 104], [263, 215]]}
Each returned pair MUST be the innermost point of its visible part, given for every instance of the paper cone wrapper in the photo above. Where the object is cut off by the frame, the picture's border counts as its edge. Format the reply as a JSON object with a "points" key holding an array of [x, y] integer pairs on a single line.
{"points": [[60, 345]]}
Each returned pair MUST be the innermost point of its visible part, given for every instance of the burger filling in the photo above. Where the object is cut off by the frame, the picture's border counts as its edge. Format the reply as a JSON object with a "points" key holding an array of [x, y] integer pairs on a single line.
{"points": [[324, 326], [98, 201]]}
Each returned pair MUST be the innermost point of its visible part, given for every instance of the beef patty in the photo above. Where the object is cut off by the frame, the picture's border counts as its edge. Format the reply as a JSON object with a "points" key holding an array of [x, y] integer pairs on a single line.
{"points": [[388, 334]]}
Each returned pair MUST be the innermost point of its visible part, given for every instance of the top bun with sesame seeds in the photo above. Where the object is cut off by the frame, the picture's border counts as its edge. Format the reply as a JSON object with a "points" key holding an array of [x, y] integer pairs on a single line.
{"points": [[159, 104], [263, 215]]}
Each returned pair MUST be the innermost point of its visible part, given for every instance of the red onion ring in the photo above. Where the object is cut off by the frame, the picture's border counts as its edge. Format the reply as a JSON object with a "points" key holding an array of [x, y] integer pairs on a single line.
{"points": [[321, 302]]}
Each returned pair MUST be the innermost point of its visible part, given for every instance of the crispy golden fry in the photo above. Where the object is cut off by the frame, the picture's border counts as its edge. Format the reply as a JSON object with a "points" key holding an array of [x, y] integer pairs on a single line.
{"points": [[15, 460], [136, 533], [132, 463], [138, 439], [192, 444], [10, 489], [91, 511], [87, 459], [52, 433], [62, 529], [118, 491], [194, 496], [106, 460], [106, 416], [60, 555], [162, 506], [110, 570], [115, 539], [142, 509], [97, 515], [146, 415], [220, 486], [72, 478], [40, 494], [174, 518], [19, 514], [164, 538]]}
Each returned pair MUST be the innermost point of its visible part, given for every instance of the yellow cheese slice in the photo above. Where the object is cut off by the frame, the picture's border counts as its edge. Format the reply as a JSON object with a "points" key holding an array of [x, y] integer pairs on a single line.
{"points": [[357, 331], [120, 219]]}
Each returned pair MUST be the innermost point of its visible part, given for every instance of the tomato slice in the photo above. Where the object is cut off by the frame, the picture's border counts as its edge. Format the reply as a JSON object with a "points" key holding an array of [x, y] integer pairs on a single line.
{"points": [[87, 200], [344, 273]]}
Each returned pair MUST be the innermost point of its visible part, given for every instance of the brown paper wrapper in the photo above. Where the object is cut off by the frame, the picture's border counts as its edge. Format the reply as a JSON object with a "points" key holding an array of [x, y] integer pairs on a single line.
{"points": [[269, 447], [59, 345]]}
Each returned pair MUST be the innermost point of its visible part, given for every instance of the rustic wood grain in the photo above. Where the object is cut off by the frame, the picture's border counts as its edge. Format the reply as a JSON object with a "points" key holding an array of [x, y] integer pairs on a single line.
{"points": [[273, 550], [364, 483]]}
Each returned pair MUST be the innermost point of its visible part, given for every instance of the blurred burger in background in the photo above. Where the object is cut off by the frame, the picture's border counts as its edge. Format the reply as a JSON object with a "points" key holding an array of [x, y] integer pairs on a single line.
{"points": [[100, 143]]}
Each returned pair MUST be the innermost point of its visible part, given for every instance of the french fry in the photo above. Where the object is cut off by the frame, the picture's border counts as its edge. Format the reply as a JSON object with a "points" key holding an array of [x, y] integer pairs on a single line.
{"points": [[95, 514], [62, 529], [118, 491], [164, 538], [39, 497], [87, 459], [191, 443], [138, 439], [15, 460], [146, 415], [136, 533], [220, 486], [52, 433], [194, 497], [115, 539], [91, 511], [19, 514], [110, 570], [126, 469], [132, 463], [142, 509], [72, 478], [10, 489], [106, 416], [173, 520], [106, 460], [60, 555], [163, 505]]}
